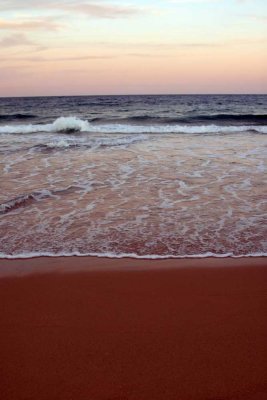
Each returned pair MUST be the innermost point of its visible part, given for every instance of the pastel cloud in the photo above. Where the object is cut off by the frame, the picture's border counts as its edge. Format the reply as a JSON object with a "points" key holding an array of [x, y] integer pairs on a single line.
{"points": [[159, 46], [29, 24], [63, 59], [7, 5], [104, 10], [192, 1], [96, 9], [16, 39]]}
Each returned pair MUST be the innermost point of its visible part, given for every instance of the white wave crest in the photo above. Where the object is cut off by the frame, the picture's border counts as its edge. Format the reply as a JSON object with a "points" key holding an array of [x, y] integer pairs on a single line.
{"points": [[161, 129], [62, 124], [130, 255], [70, 124]]}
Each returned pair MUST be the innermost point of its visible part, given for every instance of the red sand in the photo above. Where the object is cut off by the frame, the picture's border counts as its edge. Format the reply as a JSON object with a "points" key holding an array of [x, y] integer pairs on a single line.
{"points": [[155, 333]]}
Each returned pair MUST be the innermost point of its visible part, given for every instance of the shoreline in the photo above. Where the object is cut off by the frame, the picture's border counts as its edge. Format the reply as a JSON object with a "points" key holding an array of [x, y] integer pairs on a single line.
{"points": [[133, 256], [44, 264]]}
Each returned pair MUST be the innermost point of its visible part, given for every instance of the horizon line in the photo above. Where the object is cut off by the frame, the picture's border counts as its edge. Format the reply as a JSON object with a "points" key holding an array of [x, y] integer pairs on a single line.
{"points": [[136, 94]]}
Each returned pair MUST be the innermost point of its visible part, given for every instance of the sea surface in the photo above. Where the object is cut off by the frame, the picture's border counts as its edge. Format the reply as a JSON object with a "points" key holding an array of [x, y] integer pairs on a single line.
{"points": [[140, 176]]}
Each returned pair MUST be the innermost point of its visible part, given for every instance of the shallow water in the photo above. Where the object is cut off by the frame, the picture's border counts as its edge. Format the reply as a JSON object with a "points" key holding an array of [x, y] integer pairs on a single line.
{"points": [[161, 196]]}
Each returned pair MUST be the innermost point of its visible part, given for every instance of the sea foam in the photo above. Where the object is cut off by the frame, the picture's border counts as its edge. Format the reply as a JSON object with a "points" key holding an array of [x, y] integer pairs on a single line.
{"points": [[62, 124], [129, 255], [74, 124]]}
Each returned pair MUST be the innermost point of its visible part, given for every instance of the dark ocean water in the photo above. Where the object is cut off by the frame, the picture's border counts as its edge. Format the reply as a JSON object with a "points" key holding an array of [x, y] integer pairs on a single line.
{"points": [[146, 176], [174, 109]]}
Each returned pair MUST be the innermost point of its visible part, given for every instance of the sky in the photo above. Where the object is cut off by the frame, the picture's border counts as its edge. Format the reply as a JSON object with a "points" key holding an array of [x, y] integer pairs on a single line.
{"points": [[84, 47]]}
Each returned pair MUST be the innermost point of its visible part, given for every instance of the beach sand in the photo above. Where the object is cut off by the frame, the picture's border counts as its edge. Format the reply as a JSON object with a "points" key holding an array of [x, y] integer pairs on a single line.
{"points": [[100, 329]]}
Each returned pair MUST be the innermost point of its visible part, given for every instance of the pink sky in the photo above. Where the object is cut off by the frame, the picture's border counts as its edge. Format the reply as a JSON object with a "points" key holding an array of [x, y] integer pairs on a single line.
{"points": [[115, 47]]}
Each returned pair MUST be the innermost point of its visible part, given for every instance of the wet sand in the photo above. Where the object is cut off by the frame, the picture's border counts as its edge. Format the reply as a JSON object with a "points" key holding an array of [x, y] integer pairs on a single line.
{"points": [[99, 329]]}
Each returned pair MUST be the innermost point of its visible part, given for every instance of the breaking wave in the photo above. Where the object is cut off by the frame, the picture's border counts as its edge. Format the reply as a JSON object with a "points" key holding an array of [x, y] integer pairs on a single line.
{"points": [[259, 119], [24, 200], [62, 124], [73, 124]]}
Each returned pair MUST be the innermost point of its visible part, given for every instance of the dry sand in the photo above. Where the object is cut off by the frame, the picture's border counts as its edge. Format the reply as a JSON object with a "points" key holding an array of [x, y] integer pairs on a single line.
{"points": [[99, 329]]}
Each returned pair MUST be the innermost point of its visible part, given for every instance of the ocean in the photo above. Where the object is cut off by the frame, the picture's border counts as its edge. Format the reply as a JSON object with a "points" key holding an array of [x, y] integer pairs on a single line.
{"points": [[139, 176]]}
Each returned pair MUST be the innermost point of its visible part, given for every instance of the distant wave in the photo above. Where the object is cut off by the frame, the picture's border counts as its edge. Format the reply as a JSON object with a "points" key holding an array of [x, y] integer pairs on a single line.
{"points": [[73, 124], [201, 118], [251, 118], [12, 117]]}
